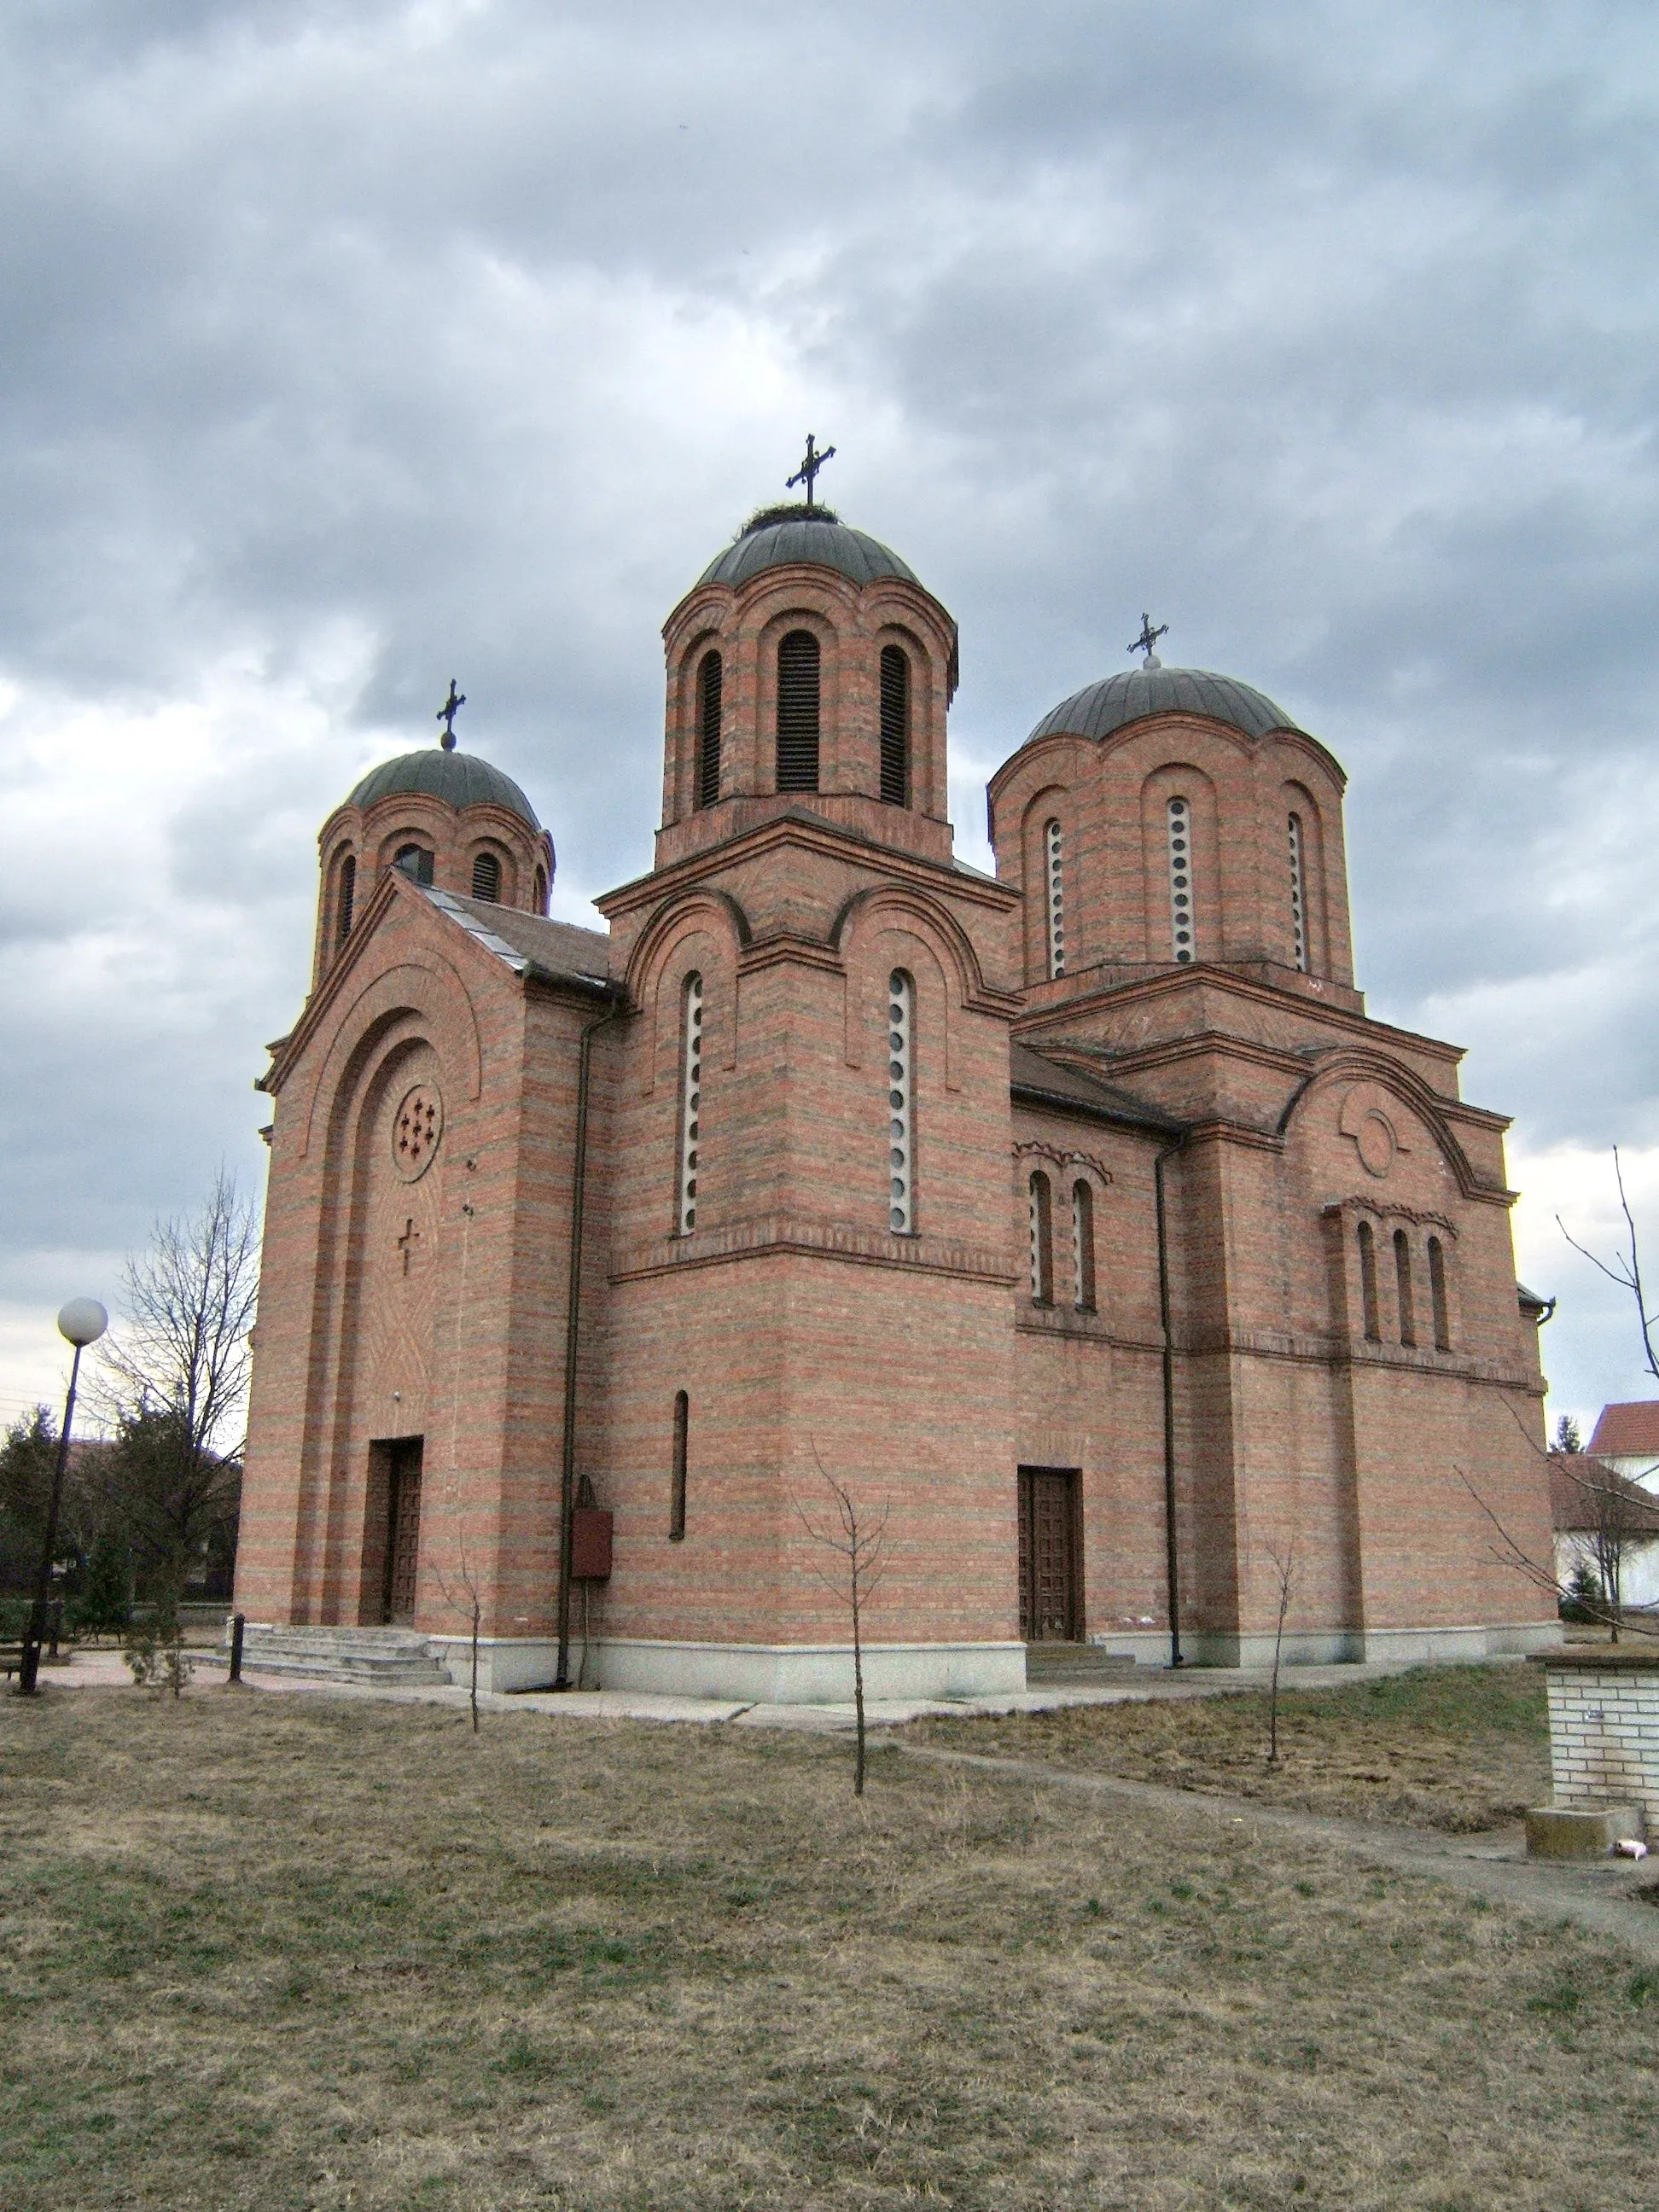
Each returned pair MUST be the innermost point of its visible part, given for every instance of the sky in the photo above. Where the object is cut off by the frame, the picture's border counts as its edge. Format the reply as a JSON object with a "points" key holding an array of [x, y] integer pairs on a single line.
{"points": [[350, 346]]}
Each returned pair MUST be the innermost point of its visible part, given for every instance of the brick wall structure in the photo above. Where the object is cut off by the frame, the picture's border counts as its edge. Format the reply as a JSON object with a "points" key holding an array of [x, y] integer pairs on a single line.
{"points": [[1604, 1728], [949, 1295]]}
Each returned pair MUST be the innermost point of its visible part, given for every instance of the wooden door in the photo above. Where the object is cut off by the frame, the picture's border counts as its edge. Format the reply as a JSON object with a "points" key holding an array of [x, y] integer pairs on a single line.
{"points": [[404, 1529], [1048, 1607]]}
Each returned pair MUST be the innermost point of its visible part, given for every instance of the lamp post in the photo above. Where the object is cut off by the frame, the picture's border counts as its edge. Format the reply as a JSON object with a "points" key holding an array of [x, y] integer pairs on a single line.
{"points": [[81, 1323]]}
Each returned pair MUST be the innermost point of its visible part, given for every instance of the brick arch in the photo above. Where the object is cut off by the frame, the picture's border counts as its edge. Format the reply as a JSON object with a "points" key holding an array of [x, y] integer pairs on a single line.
{"points": [[1180, 776], [712, 913], [955, 945], [889, 909], [1358, 1064], [429, 992]]}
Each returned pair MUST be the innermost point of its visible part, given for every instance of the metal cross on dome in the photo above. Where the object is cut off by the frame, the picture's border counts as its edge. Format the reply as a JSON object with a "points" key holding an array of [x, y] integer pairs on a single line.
{"points": [[807, 473], [1147, 641], [447, 714]]}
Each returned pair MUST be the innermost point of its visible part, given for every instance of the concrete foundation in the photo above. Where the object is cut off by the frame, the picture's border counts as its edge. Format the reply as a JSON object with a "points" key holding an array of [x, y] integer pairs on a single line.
{"points": [[1581, 1831]]}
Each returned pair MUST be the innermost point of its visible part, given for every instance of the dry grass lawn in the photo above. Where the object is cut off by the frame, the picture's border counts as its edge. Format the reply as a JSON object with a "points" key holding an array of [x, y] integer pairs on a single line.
{"points": [[275, 1952], [1462, 1749]]}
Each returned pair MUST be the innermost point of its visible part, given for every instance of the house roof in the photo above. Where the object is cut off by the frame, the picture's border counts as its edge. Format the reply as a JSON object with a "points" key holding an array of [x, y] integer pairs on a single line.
{"points": [[1580, 1487], [1629, 1430], [530, 943], [1046, 1082]]}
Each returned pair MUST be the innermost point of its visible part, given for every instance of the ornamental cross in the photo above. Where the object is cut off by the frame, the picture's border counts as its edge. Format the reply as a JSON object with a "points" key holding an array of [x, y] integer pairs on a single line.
{"points": [[447, 714], [807, 473], [408, 1241], [1147, 641]]}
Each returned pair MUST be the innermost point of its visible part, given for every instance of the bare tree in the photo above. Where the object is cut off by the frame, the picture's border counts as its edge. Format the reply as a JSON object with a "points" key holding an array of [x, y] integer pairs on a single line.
{"points": [[1284, 1564], [175, 1380], [1625, 1268], [860, 1540]]}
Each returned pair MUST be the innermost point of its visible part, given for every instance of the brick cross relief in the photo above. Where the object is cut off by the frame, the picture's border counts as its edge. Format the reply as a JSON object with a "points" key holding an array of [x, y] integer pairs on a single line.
{"points": [[408, 1241]]}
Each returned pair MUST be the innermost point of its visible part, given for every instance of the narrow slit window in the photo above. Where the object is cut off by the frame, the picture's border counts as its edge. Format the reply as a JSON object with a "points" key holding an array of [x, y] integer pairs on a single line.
{"points": [[901, 1103], [486, 876], [540, 906], [1402, 1278], [416, 861], [1298, 895], [1043, 1240], [690, 1102], [894, 725], [1083, 1247], [1053, 868], [710, 697], [1437, 1295], [797, 712], [677, 1483], [1368, 1283], [1183, 942], [345, 898]]}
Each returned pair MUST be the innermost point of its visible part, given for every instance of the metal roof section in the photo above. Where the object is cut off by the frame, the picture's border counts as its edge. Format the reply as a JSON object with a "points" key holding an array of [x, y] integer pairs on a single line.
{"points": [[529, 943], [459, 779], [825, 542], [1048, 1083], [1134, 693]]}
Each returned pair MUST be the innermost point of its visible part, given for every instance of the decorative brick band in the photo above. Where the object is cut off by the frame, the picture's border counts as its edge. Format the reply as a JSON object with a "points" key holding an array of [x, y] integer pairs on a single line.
{"points": [[823, 1240]]}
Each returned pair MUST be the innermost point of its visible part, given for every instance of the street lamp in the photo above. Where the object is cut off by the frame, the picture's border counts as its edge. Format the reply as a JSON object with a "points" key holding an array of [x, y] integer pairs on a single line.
{"points": [[81, 1323]]}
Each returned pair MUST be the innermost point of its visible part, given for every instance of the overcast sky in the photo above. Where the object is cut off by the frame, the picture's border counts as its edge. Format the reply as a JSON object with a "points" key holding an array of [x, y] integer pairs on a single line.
{"points": [[351, 346]]}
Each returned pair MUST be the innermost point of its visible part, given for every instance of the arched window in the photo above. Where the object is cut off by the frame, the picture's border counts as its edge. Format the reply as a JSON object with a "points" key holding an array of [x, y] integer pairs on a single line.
{"points": [[1298, 895], [1083, 1247], [797, 712], [894, 725], [1437, 1295], [1368, 1283], [711, 684], [690, 1102], [540, 893], [486, 876], [901, 1103], [1183, 941], [1402, 1282], [345, 897], [1043, 1241], [677, 1489], [1054, 868], [415, 861]]}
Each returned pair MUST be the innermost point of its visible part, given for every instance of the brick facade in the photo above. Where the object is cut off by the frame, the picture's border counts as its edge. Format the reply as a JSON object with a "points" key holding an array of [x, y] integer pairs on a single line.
{"points": [[1345, 1405]]}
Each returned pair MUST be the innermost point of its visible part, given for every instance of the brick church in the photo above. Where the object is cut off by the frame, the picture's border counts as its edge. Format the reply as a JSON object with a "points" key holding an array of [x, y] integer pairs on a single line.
{"points": [[1078, 1216]]}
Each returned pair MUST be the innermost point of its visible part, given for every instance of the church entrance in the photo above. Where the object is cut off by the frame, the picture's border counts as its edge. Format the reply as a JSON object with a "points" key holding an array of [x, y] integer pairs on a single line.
{"points": [[1050, 1594], [403, 1545]]}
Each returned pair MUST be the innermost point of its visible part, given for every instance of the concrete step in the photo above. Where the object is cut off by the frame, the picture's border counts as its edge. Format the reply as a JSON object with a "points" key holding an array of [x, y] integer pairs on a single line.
{"points": [[1074, 1663], [398, 1658]]}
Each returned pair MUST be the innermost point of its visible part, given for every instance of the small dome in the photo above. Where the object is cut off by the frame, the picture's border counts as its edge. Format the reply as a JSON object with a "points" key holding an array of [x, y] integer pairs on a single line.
{"points": [[782, 534], [459, 779], [1100, 709]]}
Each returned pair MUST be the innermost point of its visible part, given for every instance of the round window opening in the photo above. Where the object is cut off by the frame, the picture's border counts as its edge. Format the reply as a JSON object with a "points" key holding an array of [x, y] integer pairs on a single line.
{"points": [[416, 1129]]}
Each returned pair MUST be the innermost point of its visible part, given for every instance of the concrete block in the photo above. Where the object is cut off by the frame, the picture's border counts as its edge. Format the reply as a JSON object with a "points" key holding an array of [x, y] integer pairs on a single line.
{"points": [[1581, 1831]]}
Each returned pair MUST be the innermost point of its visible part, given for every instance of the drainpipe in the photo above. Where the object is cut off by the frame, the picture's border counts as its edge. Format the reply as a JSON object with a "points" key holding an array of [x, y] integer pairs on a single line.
{"points": [[572, 1337], [1171, 1559]]}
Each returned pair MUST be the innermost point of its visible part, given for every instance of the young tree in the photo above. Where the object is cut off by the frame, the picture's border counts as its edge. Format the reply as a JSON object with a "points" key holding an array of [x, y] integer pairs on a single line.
{"points": [[860, 1540], [1284, 1567], [1568, 1437]]}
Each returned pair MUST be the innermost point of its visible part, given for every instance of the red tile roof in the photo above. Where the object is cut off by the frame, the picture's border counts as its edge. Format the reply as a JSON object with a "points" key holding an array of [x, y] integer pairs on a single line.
{"points": [[1577, 1481], [1626, 1429]]}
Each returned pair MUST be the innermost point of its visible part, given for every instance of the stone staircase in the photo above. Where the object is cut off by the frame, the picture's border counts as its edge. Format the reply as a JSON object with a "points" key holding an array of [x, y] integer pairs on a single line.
{"points": [[379, 1658], [1052, 1665]]}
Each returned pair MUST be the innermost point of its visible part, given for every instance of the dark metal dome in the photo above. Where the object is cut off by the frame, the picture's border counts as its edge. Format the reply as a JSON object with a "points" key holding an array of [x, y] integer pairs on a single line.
{"points": [[459, 779], [1100, 709], [785, 534]]}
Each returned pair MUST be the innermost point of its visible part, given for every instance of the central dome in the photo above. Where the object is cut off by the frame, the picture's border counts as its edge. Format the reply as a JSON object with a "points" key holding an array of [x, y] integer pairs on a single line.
{"points": [[780, 535], [460, 779], [1100, 709]]}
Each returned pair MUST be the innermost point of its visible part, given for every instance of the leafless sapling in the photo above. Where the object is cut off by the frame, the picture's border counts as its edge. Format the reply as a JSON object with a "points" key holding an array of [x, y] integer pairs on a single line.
{"points": [[1283, 1565], [859, 1538]]}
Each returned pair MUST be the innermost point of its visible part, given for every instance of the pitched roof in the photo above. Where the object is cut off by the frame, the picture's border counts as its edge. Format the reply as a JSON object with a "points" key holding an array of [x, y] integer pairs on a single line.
{"points": [[530, 943], [1032, 1075], [1581, 1488], [1628, 1429]]}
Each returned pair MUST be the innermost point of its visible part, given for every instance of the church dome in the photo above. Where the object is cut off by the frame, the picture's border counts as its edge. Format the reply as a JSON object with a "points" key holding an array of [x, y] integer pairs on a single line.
{"points": [[460, 779], [782, 534], [1100, 709]]}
